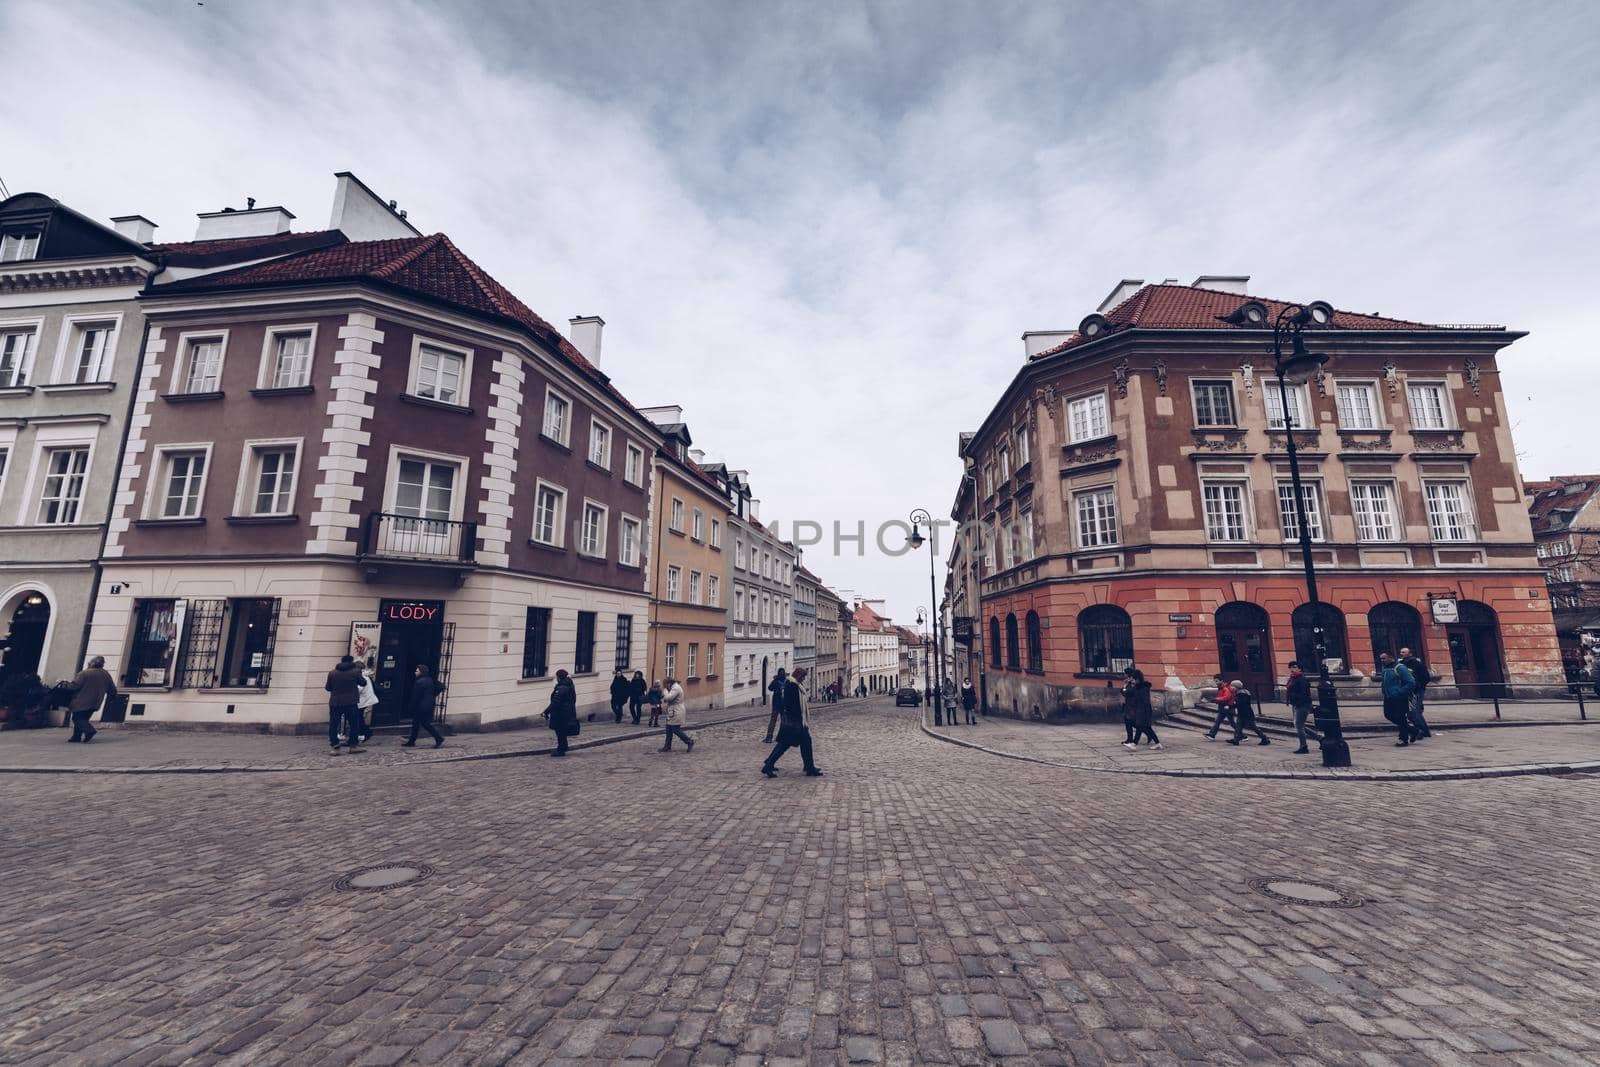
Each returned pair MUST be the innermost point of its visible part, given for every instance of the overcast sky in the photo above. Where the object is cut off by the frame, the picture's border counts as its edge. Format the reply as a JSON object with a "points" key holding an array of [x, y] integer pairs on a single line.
{"points": [[822, 228]]}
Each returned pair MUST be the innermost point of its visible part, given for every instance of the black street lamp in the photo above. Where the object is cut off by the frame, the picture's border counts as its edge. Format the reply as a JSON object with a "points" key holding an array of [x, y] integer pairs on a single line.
{"points": [[1299, 367], [918, 517]]}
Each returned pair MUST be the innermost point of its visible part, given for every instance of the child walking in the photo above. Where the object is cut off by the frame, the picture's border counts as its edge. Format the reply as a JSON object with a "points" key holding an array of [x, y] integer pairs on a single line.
{"points": [[653, 698]]}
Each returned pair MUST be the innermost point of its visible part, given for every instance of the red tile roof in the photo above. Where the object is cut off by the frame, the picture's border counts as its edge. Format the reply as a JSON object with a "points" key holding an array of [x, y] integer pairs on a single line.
{"points": [[1553, 504], [867, 619], [1183, 307], [430, 267], [265, 245]]}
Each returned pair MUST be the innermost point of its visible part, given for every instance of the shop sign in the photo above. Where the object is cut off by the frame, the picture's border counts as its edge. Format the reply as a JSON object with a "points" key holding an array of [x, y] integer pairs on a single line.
{"points": [[364, 641], [423, 611], [1445, 610], [961, 627]]}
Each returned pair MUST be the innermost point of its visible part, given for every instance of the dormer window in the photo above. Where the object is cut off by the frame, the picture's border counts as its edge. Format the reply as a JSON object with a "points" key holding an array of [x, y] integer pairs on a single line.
{"points": [[18, 247]]}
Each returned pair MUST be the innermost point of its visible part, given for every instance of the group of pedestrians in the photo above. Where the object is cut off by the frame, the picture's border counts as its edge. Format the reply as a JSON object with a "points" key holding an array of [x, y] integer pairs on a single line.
{"points": [[351, 696], [1405, 684], [1236, 706]]}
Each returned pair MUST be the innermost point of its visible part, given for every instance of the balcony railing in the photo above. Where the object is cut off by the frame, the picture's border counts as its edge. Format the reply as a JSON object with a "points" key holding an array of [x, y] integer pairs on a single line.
{"points": [[405, 537]]}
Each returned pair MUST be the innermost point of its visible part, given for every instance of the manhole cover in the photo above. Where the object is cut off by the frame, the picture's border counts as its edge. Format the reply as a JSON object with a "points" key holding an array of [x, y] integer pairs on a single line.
{"points": [[1300, 891], [387, 876]]}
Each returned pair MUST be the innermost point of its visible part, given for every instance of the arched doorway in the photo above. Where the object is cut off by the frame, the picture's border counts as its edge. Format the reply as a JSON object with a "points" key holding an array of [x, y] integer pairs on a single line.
{"points": [[1395, 626], [23, 645], [1244, 648], [1476, 657], [1305, 625]]}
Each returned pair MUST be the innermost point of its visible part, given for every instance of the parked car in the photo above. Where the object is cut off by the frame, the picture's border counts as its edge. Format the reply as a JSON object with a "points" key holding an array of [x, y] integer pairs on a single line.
{"points": [[906, 695]]}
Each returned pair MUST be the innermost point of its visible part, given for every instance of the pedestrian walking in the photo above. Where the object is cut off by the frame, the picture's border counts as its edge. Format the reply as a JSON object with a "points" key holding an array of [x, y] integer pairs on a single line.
{"points": [[795, 731], [344, 705], [1298, 693], [672, 700], [424, 695], [778, 682], [969, 701], [619, 693], [1137, 707], [1420, 675], [637, 688], [1225, 706], [1244, 714], [563, 711], [1398, 685], [366, 700], [92, 687], [653, 698]]}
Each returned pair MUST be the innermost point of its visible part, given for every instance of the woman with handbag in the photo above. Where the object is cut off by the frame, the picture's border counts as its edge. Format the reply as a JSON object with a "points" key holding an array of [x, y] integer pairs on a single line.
{"points": [[563, 711]]}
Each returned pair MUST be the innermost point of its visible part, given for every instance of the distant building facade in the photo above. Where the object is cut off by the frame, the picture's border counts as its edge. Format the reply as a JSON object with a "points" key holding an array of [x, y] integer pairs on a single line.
{"points": [[830, 664], [1565, 512], [874, 648], [761, 614], [805, 589]]}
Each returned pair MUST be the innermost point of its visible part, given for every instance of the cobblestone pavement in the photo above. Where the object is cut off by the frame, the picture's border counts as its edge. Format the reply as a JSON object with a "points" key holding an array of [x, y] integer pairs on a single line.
{"points": [[921, 903], [1099, 746]]}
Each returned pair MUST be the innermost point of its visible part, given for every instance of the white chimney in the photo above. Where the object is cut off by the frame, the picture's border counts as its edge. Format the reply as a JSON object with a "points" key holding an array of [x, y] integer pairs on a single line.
{"points": [[1237, 284], [135, 228], [361, 215], [1124, 289], [755, 509], [665, 415], [1036, 341], [251, 222], [585, 335], [698, 455]]}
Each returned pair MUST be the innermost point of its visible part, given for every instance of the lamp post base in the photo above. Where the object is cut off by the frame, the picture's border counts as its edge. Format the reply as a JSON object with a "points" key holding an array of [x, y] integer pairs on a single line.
{"points": [[1335, 750]]}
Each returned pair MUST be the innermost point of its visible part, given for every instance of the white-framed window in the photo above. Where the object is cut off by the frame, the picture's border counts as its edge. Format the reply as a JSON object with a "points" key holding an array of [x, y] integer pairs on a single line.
{"points": [[440, 373], [66, 469], [557, 416], [286, 356], [694, 587], [17, 345], [1088, 417], [738, 554], [694, 658], [672, 659], [267, 476], [988, 479], [1096, 511], [633, 465], [738, 603], [18, 247], [1358, 406], [697, 528], [711, 660], [181, 479], [599, 444], [549, 514], [424, 498], [630, 532], [1373, 505], [592, 530], [675, 516], [674, 583], [1289, 519], [199, 364], [1430, 406], [1213, 402], [716, 533], [738, 670], [1005, 465], [713, 590], [1023, 456], [1564, 574], [88, 349], [1299, 406], [1449, 511], [1227, 510], [766, 565]]}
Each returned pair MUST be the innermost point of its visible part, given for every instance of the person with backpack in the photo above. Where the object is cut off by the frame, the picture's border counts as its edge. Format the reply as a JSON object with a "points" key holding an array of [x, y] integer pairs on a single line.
{"points": [[1298, 694], [1420, 675], [344, 713], [1225, 706], [1136, 705], [1398, 685], [1244, 714]]}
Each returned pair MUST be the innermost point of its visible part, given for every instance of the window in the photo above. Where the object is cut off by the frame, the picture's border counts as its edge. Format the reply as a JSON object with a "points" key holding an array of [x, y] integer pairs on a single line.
{"points": [[1449, 514], [1226, 517], [738, 603], [1305, 625], [599, 445], [1105, 638], [424, 492], [711, 660], [716, 534], [202, 366], [1430, 405], [557, 416], [1358, 405], [672, 660], [738, 670], [1035, 644], [536, 643], [583, 653], [1564, 574], [1373, 504], [592, 532], [1289, 519], [633, 465], [624, 649], [694, 587], [18, 247], [1005, 465], [154, 642], [674, 583], [1299, 407], [694, 659], [16, 356], [62, 496], [1023, 457], [1013, 660], [628, 534], [1097, 517], [252, 629], [1393, 626], [183, 477], [291, 360], [738, 554], [698, 529], [677, 516], [988, 479], [549, 508], [439, 374], [91, 345], [1087, 418], [1213, 403]]}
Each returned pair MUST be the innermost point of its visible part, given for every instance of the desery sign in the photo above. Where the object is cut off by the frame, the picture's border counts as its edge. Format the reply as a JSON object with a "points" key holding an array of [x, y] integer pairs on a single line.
{"points": [[411, 611]]}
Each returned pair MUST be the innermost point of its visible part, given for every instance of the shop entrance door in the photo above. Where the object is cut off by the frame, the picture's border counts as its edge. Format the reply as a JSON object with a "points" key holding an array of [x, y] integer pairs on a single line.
{"points": [[413, 632], [23, 646], [1244, 648], [1475, 653]]}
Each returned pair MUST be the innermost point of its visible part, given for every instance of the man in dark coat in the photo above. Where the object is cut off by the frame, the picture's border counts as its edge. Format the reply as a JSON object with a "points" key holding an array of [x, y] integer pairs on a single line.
{"points": [[969, 701], [424, 695], [91, 688], [1298, 694], [563, 711], [1398, 685], [775, 687], [619, 693], [795, 729], [1420, 675], [636, 691], [344, 711]]}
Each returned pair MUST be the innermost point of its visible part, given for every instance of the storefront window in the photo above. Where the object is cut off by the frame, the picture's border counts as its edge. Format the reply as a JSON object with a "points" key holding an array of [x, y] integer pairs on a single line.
{"points": [[583, 654], [155, 642], [536, 643], [252, 632]]}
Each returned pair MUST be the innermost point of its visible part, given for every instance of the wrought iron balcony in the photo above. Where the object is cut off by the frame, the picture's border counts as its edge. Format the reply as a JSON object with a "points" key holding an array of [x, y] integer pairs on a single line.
{"points": [[410, 541]]}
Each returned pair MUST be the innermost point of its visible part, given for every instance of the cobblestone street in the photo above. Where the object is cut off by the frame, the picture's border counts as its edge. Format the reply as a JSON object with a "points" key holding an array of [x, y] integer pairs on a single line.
{"points": [[921, 903]]}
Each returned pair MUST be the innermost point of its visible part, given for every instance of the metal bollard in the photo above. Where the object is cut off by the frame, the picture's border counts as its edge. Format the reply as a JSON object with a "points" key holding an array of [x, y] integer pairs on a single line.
{"points": [[1583, 712], [1497, 707]]}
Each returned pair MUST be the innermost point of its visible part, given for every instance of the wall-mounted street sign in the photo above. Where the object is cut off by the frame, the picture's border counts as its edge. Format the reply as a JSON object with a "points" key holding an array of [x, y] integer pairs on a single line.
{"points": [[1445, 610], [1181, 617]]}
